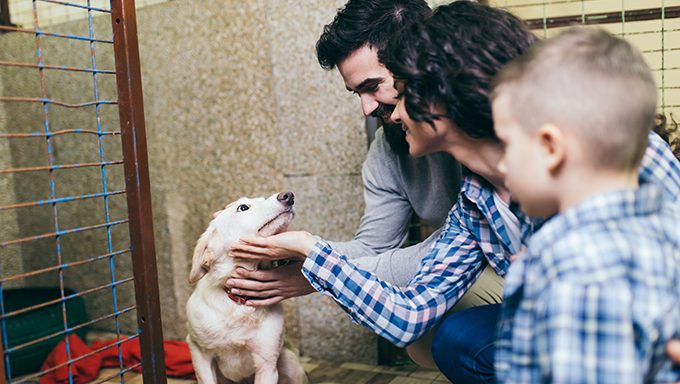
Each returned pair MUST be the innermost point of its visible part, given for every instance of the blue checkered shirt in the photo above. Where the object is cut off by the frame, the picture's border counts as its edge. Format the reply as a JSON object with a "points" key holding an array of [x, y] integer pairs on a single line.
{"points": [[474, 235], [596, 296]]}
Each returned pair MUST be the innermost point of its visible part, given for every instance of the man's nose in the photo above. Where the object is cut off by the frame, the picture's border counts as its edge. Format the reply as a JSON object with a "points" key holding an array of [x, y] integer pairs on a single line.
{"points": [[368, 104]]}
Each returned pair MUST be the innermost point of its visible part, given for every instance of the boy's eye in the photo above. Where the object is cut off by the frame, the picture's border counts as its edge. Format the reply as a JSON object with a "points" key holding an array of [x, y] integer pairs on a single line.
{"points": [[242, 207]]}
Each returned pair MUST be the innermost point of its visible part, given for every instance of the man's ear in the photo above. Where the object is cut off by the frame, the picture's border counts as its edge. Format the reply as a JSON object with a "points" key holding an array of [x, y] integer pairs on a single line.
{"points": [[203, 257], [553, 143]]}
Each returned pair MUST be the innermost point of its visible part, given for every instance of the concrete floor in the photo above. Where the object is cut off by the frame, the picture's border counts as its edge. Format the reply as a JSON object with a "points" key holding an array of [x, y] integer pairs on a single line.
{"points": [[323, 372]]}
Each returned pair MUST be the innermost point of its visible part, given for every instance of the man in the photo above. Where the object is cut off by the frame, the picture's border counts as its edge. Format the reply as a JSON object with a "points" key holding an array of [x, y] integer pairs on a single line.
{"points": [[396, 185]]}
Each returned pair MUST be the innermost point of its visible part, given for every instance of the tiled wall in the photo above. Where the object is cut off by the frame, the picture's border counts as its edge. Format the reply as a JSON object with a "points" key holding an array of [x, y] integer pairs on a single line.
{"points": [[52, 13]]}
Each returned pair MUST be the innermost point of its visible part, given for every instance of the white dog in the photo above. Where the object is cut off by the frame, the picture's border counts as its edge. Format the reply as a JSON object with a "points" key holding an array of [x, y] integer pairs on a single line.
{"points": [[230, 342]]}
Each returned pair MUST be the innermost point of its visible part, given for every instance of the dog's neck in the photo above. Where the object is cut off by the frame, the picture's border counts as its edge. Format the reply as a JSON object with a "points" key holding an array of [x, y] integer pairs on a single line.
{"points": [[220, 272]]}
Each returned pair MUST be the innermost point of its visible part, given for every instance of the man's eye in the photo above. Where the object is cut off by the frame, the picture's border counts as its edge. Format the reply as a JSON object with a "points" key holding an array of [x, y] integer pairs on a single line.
{"points": [[242, 207]]}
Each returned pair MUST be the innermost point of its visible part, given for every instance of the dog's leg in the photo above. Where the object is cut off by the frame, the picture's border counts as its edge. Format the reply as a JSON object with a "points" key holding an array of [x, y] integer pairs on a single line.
{"points": [[290, 370], [205, 372], [265, 370], [265, 349]]}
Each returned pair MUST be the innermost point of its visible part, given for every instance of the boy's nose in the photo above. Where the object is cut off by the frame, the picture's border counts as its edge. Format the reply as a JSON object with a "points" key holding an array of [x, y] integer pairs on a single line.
{"points": [[502, 168]]}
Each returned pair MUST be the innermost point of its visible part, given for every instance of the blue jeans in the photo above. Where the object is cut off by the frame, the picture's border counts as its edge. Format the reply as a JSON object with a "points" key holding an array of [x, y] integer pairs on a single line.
{"points": [[465, 343]]}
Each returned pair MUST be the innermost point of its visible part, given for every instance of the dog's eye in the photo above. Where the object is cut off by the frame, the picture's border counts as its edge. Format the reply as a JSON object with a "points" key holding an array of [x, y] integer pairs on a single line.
{"points": [[242, 207]]}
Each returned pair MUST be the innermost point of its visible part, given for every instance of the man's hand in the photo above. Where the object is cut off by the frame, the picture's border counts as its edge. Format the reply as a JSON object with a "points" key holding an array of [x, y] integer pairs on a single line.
{"points": [[267, 287]]}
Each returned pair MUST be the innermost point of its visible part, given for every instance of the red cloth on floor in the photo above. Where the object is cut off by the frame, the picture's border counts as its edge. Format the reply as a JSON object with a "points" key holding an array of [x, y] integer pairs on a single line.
{"points": [[177, 359]]}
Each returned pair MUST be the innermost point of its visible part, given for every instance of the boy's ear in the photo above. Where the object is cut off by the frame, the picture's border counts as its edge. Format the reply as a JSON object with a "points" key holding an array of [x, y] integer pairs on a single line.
{"points": [[553, 143]]}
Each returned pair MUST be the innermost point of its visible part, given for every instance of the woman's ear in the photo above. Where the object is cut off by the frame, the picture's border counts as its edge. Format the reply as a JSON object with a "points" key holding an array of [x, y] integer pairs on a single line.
{"points": [[553, 144]]}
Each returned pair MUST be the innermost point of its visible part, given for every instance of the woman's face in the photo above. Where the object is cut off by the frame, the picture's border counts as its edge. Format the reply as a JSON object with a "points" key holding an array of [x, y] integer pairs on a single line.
{"points": [[422, 137]]}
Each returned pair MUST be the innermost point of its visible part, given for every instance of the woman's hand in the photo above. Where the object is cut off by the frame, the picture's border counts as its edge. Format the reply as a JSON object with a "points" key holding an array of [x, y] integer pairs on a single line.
{"points": [[287, 245]]}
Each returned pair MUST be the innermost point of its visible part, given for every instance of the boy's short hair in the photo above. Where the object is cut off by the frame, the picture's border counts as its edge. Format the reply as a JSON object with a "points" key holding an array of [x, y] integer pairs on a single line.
{"points": [[590, 82]]}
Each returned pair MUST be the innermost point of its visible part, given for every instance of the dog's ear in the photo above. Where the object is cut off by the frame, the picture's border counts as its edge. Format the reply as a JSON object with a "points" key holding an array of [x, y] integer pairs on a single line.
{"points": [[203, 257]]}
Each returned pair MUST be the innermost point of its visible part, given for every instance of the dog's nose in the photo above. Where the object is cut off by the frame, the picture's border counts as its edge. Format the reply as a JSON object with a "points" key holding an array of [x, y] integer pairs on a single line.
{"points": [[287, 198]]}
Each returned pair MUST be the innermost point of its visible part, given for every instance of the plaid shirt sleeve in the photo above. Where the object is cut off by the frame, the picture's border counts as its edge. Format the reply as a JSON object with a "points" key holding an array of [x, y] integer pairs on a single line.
{"points": [[401, 315], [584, 334]]}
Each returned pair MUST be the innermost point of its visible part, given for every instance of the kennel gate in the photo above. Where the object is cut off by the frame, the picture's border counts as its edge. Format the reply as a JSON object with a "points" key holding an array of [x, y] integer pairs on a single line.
{"points": [[45, 134]]}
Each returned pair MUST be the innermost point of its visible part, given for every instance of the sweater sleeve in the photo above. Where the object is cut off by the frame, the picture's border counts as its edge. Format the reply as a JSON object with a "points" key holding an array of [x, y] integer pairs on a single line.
{"points": [[384, 225]]}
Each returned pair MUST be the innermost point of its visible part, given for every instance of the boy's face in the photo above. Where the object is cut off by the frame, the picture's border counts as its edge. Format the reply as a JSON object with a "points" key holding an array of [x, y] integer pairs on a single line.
{"points": [[524, 165]]}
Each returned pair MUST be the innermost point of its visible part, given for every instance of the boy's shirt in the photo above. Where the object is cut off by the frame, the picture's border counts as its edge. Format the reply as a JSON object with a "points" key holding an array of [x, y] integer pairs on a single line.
{"points": [[474, 235], [596, 296]]}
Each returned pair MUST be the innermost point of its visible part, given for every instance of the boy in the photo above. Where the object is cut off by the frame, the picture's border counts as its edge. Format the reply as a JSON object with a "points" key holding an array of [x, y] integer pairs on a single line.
{"points": [[596, 295]]}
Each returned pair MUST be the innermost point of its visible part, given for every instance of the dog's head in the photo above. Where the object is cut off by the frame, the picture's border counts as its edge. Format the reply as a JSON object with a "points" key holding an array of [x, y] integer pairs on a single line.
{"points": [[244, 217]]}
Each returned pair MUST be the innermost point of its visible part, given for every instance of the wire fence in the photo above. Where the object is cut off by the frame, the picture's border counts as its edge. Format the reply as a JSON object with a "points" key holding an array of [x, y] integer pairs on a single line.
{"points": [[76, 250]]}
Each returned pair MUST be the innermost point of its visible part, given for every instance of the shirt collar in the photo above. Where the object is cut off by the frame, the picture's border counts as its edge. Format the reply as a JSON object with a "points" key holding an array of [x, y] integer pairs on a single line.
{"points": [[480, 192]]}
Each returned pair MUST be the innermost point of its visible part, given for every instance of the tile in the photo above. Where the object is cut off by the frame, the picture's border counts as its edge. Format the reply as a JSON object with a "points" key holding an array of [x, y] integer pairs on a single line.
{"points": [[358, 367], [409, 380], [381, 378], [423, 373], [398, 370]]}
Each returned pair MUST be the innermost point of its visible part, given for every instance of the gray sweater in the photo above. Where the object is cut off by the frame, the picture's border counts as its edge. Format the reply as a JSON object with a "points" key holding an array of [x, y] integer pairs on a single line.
{"points": [[396, 186]]}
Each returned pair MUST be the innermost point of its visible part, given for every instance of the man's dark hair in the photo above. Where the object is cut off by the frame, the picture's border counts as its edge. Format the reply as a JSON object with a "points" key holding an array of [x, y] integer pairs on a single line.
{"points": [[363, 22], [450, 60]]}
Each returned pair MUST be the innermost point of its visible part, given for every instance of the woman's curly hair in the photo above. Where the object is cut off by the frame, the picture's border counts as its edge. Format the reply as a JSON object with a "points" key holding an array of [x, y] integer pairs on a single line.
{"points": [[450, 60], [668, 132]]}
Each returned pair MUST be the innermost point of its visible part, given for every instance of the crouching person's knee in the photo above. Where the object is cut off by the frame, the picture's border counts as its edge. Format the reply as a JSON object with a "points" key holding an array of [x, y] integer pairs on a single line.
{"points": [[463, 346]]}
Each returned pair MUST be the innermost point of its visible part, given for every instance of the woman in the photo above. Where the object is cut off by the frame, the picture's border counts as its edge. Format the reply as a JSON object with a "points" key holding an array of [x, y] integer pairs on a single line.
{"points": [[444, 68]]}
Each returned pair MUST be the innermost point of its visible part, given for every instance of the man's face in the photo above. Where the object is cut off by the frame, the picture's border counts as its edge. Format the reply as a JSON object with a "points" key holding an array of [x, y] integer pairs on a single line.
{"points": [[367, 77]]}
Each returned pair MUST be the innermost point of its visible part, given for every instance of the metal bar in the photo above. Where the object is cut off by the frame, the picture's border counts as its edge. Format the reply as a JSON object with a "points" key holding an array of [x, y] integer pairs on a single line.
{"points": [[4, 16], [5, 340], [50, 34], [55, 133], [605, 17], [67, 4], [58, 167], [109, 242], [56, 234], [62, 266], [69, 330], [50, 161], [60, 103], [3, 380], [55, 67], [30, 378], [131, 110], [63, 299], [59, 200]]}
